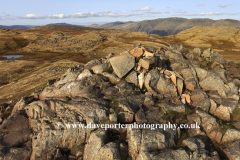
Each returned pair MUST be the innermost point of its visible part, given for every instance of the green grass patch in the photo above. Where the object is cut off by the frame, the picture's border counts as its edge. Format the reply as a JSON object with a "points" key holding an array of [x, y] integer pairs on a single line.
{"points": [[6, 115], [238, 85], [114, 105], [184, 135], [225, 128], [29, 92], [236, 114], [169, 115], [143, 90], [104, 78], [76, 148]]}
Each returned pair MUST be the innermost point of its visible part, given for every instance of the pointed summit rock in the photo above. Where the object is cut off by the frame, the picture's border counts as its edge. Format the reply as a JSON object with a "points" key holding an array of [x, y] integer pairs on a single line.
{"points": [[122, 64]]}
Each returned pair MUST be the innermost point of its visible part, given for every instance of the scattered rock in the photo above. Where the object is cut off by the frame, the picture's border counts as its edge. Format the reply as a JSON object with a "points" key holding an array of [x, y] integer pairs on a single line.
{"points": [[198, 51], [137, 52], [125, 117], [104, 67], [109, 151], [132, 78], [231, 135], [144, 63], [193, 143], [112, 78], [96, 141], [233, 151], [141, 80]]}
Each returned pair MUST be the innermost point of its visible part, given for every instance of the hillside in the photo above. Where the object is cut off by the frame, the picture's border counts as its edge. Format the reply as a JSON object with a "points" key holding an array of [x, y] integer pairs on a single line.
{"points": [[168, 26], [224, 40]]}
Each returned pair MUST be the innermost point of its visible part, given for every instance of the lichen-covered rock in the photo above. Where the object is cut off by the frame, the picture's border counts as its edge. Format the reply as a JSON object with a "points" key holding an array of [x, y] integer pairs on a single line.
{"points": [[140, 116], [198, 51], [214, 82], [148, 100], [198, 95], [216, 135], [193, 143], [173, 107], [180, 86], [208, 122], [104, 67], [174, 56], [132, 78], [96, 141], [204, 104], [123, 103], [141, 140], [225, 109], [112, 78], [152, 80], [122, 64], [165, 86], [16, 153], [125, 117], [137, 52], [189, 74], [168, 155], [84, 73], [15, 131], [233, 151], [231, 135], [201, 73], [110, 151]]}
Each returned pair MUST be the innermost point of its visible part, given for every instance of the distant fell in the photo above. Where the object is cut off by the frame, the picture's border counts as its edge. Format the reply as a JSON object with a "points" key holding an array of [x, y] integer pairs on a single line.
{"points": [[18, 26], [168, 26], [67, 24]]}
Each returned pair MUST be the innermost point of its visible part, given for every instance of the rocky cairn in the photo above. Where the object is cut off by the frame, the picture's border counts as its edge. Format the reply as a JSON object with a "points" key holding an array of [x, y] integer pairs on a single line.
{"points": [[142, 86]]}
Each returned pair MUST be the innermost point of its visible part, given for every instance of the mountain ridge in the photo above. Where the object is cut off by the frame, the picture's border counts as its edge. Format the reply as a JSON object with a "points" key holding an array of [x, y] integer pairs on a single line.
{"points": [[168, 26]]}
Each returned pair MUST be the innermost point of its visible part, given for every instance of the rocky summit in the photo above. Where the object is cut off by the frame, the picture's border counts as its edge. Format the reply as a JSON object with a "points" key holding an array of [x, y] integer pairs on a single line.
{"points": [[142, 86]]}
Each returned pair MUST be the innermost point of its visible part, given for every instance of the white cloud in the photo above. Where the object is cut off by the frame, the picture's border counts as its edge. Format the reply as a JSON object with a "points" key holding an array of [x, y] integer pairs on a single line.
{"points": [[154, 12], [80, 15], [145, 9], [181, 11], [200, 4], [56, 16], [34, 16], [204, 14], [211, 14], [166, 12], [167, 7], [84, 15], [112, 14], [224, 5], [106, 12]]}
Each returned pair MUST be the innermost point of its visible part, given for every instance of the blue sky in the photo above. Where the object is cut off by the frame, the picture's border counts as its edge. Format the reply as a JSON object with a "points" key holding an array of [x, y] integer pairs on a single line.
{"points": [[41, 12]]}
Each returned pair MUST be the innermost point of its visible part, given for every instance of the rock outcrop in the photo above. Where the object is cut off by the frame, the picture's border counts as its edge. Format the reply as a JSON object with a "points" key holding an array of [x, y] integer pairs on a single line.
{"points": [[72, 118]]}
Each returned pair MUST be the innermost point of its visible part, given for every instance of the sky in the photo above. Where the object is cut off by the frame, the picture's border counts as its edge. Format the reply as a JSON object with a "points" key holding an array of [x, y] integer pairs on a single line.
{"points": [[86, 12]]}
